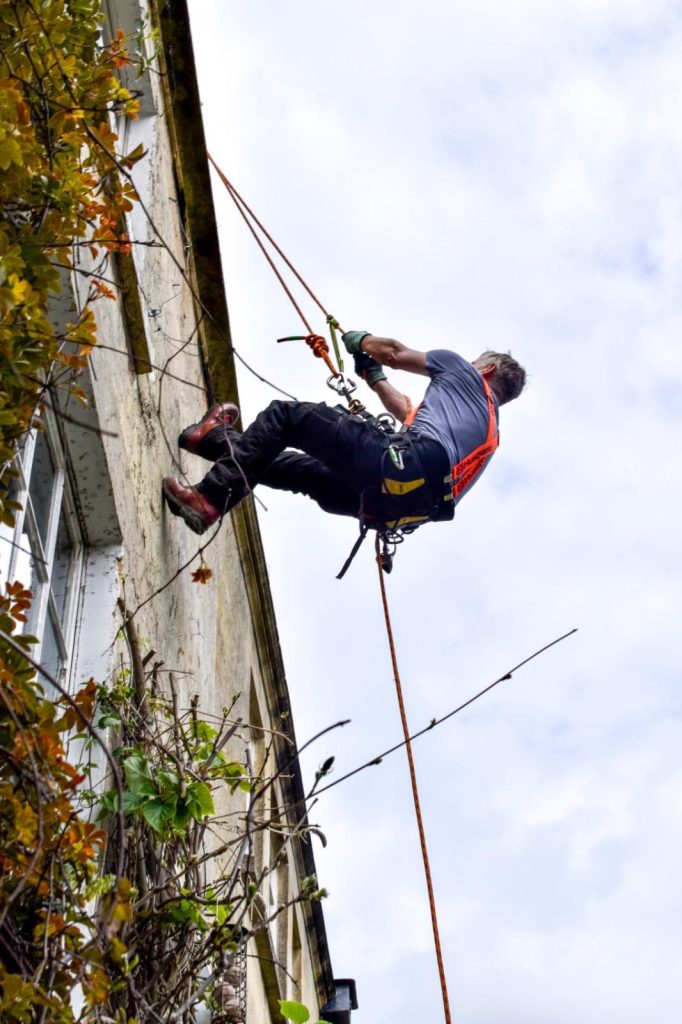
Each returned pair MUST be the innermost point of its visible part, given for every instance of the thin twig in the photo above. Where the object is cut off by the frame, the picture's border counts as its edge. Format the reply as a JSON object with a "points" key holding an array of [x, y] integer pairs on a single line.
{"points": [[438, 721]]}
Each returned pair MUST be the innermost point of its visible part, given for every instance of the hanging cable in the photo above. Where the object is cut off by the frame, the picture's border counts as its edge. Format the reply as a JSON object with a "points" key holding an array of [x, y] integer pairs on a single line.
{"points": [[415, 790]]}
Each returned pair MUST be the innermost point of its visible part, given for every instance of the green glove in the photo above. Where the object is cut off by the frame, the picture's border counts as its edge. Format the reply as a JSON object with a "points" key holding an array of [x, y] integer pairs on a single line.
{"points": [[369, 369], [352, 339]]}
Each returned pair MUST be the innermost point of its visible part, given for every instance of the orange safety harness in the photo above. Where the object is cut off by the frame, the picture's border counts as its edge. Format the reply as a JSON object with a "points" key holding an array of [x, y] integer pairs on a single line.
{"points": [[468, 468]]}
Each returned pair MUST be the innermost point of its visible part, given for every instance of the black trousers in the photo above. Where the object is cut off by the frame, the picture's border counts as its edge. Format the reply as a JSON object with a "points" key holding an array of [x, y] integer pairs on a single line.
{"points": [[341, 463], [338, 457]]}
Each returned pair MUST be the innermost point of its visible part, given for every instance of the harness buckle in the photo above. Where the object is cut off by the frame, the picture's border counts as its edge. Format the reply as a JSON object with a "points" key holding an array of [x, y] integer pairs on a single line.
{"points": [[386, 422]]}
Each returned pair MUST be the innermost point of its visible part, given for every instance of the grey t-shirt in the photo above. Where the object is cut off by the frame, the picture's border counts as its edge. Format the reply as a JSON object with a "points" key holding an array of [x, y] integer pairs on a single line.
{"points": [[455, 409]]}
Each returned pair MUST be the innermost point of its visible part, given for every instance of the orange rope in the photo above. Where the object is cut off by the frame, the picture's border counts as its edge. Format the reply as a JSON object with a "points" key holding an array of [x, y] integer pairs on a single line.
{"points": [[242, 206], [237, 200], [415, 791]]}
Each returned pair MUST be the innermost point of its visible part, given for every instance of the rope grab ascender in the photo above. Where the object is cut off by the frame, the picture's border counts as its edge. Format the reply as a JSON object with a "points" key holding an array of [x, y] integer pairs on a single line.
{"points": [[342, 385]]}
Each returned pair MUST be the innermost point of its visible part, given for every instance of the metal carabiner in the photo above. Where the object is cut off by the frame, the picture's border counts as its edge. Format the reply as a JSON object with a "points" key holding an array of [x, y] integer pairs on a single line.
{"points": [[396, 455], [343, 386]]}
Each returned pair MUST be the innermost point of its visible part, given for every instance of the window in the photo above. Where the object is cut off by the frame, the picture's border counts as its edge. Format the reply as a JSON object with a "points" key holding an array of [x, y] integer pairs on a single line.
{"points": [[133, 18], [45, 549], [294, 978], [268, 849]]}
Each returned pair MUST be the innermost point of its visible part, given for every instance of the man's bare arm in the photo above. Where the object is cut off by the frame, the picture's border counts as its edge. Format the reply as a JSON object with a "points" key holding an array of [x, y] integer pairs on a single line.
{"points": [[398, 405], [392, 353]]}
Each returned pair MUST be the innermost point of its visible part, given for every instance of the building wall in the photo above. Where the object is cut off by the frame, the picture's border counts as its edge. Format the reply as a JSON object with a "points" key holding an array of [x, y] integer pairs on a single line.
{"points": [[163, 356]]}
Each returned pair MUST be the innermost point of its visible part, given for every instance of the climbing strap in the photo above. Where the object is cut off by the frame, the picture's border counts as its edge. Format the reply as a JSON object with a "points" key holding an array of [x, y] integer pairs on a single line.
{"points": [[354, 550], [405, 496], [389, 540], [342, 386], [318, 347]]}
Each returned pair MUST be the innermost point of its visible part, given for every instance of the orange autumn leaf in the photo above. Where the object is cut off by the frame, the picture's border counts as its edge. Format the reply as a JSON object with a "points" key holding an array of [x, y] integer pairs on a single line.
{"points": [[202, 575]]}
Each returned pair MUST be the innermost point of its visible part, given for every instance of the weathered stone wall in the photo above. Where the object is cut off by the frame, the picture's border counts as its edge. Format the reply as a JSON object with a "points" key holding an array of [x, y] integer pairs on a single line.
{"points": [[218, 638]]}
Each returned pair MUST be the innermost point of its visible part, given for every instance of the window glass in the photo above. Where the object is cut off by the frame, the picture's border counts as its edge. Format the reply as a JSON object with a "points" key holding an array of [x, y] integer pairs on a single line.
{"points": [[50, 653], [62, 565], [6, 540], [31, 573], [46, 558], [8, 537], [42, 484]]}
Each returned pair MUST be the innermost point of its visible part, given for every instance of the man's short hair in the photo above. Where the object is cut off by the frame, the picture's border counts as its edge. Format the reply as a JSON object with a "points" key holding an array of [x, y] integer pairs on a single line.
{"points": [[510, 378]]}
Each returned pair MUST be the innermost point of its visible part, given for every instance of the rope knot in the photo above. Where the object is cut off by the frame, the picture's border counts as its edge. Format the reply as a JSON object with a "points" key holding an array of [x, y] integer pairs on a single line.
{"points": [[318, 344], [320, 348]]}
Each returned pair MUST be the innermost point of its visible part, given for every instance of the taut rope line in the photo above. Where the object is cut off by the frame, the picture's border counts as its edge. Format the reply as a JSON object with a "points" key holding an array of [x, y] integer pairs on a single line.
{"points": [[245, 209], [415, 790]]}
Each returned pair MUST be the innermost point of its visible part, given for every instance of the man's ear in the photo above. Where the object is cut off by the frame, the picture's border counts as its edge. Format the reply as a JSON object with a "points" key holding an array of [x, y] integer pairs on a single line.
{"points": [[489, 371]]}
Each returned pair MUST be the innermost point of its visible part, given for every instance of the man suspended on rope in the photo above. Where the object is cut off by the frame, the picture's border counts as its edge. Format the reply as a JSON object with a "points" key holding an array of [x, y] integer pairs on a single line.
{"points": [[347, 463]]}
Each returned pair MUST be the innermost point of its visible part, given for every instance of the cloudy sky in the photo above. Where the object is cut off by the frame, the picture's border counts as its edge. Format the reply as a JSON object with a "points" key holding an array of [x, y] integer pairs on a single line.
{"points": [[489, 175]]}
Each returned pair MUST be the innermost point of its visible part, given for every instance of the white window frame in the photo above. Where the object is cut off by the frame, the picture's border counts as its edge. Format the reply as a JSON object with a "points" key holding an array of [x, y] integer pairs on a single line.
{"points": [[42, 553]]}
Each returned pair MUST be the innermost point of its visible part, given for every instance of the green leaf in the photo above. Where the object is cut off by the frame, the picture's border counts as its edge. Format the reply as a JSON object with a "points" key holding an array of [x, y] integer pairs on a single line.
{"points": [[182, 816], [222, 912], [10, 153], [138, 775], [167, 782], [157, 812], [107, 720], [199, 800], [133, 802], [294, 1011], [205, 732], [108, 804], [187, 910], [236, 776]]}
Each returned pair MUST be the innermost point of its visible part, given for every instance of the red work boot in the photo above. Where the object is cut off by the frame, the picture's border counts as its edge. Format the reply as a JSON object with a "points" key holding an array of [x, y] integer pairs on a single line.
{"points": [[225, 415], [191, 506]]}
